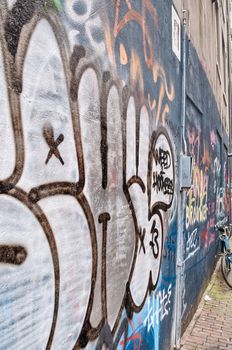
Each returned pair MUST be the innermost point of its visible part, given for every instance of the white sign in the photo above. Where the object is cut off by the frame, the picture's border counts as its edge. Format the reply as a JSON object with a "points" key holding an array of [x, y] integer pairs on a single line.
{"points": [[176, 34]]}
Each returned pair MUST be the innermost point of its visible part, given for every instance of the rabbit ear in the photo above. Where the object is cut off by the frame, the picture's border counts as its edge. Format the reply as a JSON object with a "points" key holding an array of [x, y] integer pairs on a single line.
{"points": [[7, 143], [144, 140], [50, 152], [88, 98], [130, 139]]}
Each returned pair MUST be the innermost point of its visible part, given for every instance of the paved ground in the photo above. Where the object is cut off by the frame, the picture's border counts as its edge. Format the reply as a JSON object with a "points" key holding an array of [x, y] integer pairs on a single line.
{"points": [[211, 327]]}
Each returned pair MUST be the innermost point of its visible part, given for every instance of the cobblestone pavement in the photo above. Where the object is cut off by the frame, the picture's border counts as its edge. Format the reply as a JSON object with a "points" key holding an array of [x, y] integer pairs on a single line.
{"points": [[211, 327]]}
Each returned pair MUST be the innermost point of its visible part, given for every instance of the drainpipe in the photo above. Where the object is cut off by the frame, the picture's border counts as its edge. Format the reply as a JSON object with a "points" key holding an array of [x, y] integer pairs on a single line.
{"points": [[183, 92], [182, 196], [229, 38]]}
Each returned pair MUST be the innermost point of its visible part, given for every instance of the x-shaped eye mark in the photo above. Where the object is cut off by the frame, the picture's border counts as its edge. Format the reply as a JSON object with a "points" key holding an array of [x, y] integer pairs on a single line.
{"points": [[53, 144], [142, 233]]}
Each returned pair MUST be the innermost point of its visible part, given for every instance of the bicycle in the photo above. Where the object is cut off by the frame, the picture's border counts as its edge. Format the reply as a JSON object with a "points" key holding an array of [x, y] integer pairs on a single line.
{"points": [[226, 259]]}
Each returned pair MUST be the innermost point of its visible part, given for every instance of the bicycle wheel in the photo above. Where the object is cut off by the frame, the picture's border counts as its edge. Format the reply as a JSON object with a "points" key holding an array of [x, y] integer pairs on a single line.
{"points": [[226, 267]]}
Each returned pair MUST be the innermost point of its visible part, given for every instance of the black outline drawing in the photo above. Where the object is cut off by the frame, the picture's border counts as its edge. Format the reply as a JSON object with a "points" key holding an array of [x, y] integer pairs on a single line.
{"points": [[74, 68]]}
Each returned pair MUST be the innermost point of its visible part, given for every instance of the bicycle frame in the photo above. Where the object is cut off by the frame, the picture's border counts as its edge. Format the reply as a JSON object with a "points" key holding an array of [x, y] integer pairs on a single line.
{"points": [[226, 259]]}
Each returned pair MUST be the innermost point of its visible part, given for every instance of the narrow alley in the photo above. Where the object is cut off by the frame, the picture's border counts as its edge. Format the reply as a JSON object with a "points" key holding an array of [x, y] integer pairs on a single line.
{"points": [[211, 327]]}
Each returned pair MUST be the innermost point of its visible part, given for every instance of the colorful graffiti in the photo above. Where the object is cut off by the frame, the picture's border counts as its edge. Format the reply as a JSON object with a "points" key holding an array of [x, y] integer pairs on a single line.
{"points": [[196, 209], [202, 207], [88, 172], [127, 14], [203, 199], [90, 138], [197, 199]]}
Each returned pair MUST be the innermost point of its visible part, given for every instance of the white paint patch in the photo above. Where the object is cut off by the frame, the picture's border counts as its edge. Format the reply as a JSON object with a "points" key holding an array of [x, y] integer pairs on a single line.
{"points": [[74, 246], [144, 140], [27, 290], [45, 101], [130, 139], [7, 144], [90, 123]]}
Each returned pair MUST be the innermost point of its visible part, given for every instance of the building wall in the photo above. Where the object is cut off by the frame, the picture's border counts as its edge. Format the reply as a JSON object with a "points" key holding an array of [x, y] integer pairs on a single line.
{"points": [[91, 137], [208, 31]]}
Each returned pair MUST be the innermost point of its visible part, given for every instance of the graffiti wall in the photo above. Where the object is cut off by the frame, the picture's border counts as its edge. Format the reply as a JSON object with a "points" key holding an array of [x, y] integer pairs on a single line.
{"points": [[90, 135], [207, 201]]}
